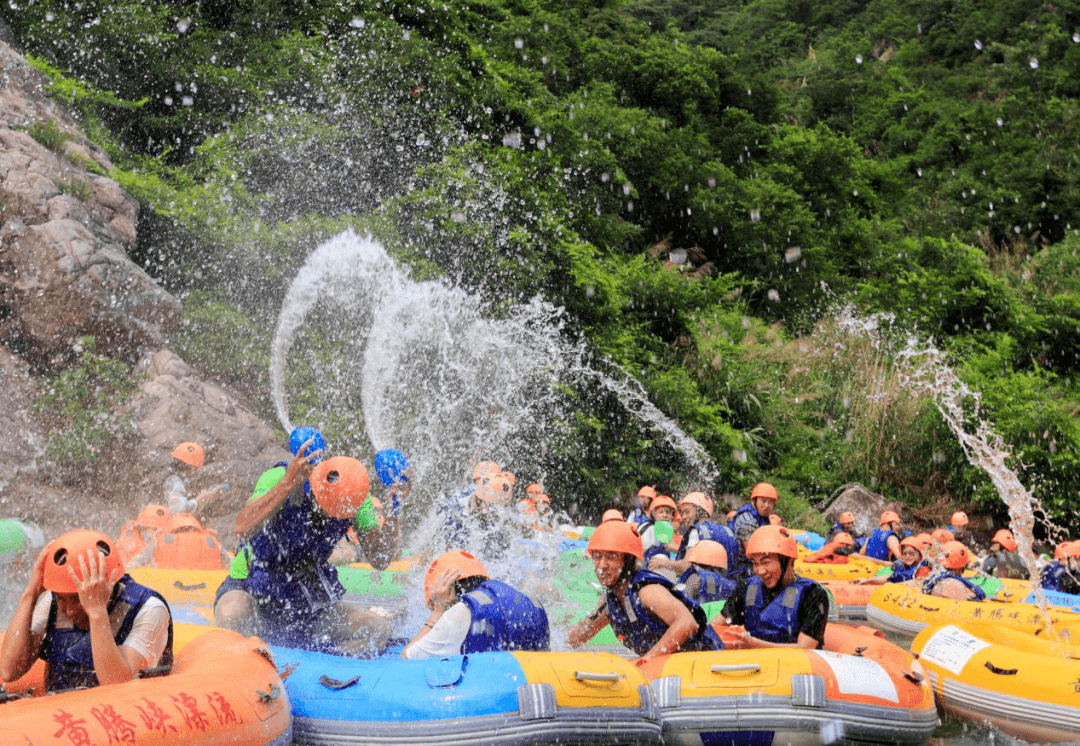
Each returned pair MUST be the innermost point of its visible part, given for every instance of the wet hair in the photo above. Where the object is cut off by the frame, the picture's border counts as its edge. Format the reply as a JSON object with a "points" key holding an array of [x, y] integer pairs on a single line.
{"points": [[465, 585]]}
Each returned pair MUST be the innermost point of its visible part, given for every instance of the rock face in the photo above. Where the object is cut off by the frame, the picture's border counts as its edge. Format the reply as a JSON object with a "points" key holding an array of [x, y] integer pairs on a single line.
{"points": [[865, 504], [64, 271]]}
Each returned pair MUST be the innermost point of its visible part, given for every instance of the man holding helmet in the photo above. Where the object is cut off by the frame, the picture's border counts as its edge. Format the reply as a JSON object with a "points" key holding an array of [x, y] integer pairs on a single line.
{"points": [[696, 524], [775, 608], [86, 618], [648, 614]]}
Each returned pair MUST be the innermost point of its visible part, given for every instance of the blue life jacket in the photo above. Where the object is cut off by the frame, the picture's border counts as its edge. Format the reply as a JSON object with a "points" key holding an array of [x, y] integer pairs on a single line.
{"points": [[902, 574], [711, 531], [715, 586], [639, 630], [752, 511], [504, 618], [1056, 577], [637, 517], [779, 620], [290, 576], [68, 650], [877, 546], [932, 580]]}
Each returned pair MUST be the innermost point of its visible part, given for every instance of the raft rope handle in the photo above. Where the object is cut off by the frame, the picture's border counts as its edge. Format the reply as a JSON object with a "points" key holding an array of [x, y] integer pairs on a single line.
{"points": [[269, 696], [1001, 671], [194, 587], [728, 667], [913, 677], [586, 676]]}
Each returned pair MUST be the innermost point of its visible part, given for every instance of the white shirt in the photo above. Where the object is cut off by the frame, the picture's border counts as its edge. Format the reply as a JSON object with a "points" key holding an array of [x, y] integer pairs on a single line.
{"points": [[445, 638], [149, 632]]}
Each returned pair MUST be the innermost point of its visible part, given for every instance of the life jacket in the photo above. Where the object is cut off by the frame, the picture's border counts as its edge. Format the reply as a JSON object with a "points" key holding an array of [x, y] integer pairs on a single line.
{"points": [[779, 620], [289, 575], [715, 586], [68, 650], [710, 531], [639, 630], [1056, 577], [877, 546], [752, 511], [188, 547], [901, 574], [933, 580], [637, 517], [504, 618]]}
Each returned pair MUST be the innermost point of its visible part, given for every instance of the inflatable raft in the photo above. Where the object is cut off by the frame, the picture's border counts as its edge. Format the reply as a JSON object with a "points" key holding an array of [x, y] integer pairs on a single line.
{"points": [[223, 690], [855, 567], [904, 609], [1023, 685], [863, 690], [485, 698]]}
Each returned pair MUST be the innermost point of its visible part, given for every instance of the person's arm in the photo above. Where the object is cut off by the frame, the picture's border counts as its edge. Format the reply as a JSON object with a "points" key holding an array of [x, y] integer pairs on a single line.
{"points": [[20, 646], [261, 508], [588, 627], [661, 562], [113, 664], [681, 624], [894, 547], [952, 589], [381, 545], [442, 598]]}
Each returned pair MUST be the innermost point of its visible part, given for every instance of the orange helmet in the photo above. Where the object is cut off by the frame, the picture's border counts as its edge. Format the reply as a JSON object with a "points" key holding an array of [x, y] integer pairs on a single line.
{"points": [[700, 499], [648, 491], [1005, 538], [708, 552], [496, 489], [959, 518], [508, 477], [954, 555], [542, 497], [190, 453], [465, 564], [1071, 549], [942, 535], [766, 490], [534, 489], [730, 515], [64, 552], [846, 517], [340, 486], [485, 470], [183, 522], [612, 514], [925, 541], [889, 516], [843, 538], [662, 501], [775, 519], [152, 516], [616, 536], [914, 543], [772, 540]]}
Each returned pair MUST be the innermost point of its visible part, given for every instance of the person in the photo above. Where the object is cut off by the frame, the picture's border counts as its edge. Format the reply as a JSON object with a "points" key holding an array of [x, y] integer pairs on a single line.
{"points": [[657, 532], [912, 564], [752, 516], [845, 523], [774, 607], [1003, 560], [645, 609], [639, 514], [695, 511], [948, 582], [471, 613], [394, 473], [1063, 574], [884, 544], [943, 535], [286, 590], [473, 515], [958, 524], [706, 579], [835, 551], [89, 620]]}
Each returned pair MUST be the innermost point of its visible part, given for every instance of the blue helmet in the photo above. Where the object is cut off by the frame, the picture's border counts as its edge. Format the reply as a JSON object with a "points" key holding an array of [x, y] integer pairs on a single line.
{"points": [[390, 465], [303, 434]]}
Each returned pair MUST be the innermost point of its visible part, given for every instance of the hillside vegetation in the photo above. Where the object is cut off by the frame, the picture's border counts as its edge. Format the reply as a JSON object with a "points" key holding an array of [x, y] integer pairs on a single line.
{"points": [[720, 193]]}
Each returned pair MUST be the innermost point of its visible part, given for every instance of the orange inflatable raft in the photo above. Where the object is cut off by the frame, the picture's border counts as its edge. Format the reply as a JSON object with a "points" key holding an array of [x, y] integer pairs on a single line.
{"points": [[223, 690]]}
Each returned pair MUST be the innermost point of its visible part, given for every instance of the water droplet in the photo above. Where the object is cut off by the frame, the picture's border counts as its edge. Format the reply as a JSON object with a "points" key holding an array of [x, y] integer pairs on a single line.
{"points": [[630, 205], [541, 144], [357, 23], [50, 16], [406, 34], [678, 256], [1033, 63], [1076, 38], [918, 171], [774, 295], [519, 43], [457, 216], [739, 455], [626, 188], [978, 44], [420, 139], [854, 192], [183, 25], [512, 140], [590, 291], [755, 215], [792, 254], [187, 101], [712, 182], [168, 100], [1016, 229], [858, 59], [1000, 121], [605, 177], [178, 87]]}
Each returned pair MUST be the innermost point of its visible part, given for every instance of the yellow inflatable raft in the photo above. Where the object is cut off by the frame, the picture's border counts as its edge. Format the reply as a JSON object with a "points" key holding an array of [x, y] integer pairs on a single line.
{"points": [[904, 609], [855, 567], [1023, 685]]}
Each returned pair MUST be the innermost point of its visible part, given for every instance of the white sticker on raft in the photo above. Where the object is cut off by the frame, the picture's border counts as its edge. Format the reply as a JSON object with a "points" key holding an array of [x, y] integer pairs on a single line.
{"points": [[855, 675], [951, 648]]}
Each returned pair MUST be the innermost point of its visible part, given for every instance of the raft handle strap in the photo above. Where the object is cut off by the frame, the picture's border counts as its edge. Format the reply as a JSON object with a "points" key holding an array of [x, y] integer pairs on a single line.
{"points": [[153, 673], [728, 667], [193, 587], [1001, 671], [913, 676], [269, 696], [586, 676], [336, 684], [860, 650], [6, 696]]}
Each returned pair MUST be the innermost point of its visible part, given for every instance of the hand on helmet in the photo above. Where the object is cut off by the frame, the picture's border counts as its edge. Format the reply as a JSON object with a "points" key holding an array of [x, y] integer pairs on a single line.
{"points": [[95, 587]]}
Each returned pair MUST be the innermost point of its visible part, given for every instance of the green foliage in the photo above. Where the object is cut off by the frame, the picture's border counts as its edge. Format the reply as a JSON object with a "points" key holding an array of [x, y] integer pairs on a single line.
{"points": [[81, 410], [48, 134], [75, 186]]}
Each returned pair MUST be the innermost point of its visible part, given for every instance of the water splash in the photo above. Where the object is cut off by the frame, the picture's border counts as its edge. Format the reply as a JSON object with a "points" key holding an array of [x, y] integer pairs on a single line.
{"points": [[420, 366]]}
